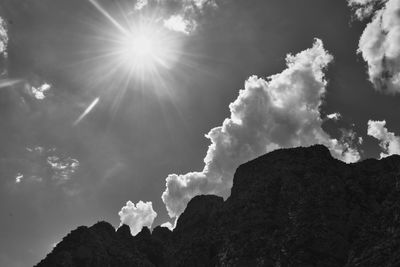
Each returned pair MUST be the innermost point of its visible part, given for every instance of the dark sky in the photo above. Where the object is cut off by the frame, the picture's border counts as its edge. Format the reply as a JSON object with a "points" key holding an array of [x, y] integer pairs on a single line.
{"points": [[142, 131]]}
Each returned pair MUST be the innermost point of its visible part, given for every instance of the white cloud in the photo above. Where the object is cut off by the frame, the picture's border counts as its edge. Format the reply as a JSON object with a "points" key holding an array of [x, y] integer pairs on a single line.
{"points": [[334, 116], [187, 15], [3, 37], [39, 163], [141, 4], [39, 92], [168, 225], [364, 8], [137, 216], [63, 168], [280, 111], [380, 46], [388, 141], [178, 23], [19, 177]]}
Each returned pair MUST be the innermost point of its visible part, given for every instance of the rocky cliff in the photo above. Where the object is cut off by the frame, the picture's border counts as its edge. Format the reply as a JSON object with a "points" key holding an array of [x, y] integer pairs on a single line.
{"points": [[291, 207]]}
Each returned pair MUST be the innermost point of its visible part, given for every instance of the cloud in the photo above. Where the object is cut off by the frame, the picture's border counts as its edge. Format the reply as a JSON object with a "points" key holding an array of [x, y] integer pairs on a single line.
{"points": [[364, 8], [40, 162], [3, 37], [19, 177], [183, 16], [334, 116], [168, 225], [63, 168], [387, 140], [40, 91], [379, 45], [141, 4], [137, 216], [178, 23], [280, 111]]}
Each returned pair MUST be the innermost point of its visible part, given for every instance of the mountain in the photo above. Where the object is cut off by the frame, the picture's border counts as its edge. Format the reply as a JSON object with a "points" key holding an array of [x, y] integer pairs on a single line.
{"points": [[291, 207]]}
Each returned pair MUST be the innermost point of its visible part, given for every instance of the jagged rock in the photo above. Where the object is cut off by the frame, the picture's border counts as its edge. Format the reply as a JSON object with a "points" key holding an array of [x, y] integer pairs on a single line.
{"points": [[291, 207], [124, 231]]}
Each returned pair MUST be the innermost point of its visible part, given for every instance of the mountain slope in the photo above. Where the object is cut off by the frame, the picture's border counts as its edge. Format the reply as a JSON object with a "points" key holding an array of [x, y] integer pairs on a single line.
{"points": [[291, 207]]}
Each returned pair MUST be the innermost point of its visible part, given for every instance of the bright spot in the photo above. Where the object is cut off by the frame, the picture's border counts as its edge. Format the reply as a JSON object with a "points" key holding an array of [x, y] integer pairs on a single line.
{"points": [[147, 49], [141, 49]]}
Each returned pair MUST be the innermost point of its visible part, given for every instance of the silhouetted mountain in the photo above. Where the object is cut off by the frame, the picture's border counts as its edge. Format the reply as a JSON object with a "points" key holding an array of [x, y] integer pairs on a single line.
{"points": [[291, 207]]}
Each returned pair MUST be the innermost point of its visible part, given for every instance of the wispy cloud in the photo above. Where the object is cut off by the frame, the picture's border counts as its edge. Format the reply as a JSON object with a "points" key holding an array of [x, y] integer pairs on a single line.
{"points": [[40, 164], [280, 111], [141, 4]]}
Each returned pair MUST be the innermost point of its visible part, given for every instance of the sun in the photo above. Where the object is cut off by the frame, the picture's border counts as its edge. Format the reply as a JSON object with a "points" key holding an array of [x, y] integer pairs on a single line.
{"points": [[146, 49], [137, 52]]}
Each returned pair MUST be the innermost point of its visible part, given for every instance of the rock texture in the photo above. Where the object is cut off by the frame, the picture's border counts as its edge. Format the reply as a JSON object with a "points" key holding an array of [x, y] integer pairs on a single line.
{"points": [[291, 207]]}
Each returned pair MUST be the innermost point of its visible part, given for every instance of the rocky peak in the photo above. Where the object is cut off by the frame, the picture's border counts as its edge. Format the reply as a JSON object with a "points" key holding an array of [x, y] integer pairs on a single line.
{"points": [[291, 207], [124, 231]]}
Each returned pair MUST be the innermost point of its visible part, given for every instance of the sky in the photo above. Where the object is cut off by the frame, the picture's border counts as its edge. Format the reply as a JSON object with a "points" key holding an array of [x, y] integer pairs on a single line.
{"points": [[124, 110]]}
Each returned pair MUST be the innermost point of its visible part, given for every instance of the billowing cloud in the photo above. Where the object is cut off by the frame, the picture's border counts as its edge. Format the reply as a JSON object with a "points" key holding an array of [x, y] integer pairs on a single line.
{"points": [[178, 23], [137, 216], [380, 45], [278, 112], [3, 37], [389, 143]]}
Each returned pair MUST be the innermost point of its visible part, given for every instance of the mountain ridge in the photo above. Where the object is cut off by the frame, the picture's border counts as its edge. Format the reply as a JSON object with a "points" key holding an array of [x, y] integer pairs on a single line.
{"points": [[290, 207]]}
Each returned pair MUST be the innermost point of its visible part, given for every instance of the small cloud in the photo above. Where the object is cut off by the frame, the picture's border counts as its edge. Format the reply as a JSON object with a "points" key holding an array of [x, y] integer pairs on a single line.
{"points": [[363, 8], [334, 116], [137, 216], [179, 24], [3, 37], [168, 225], [19, 178], [388, 141], [141, 4], [39, 92]]}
